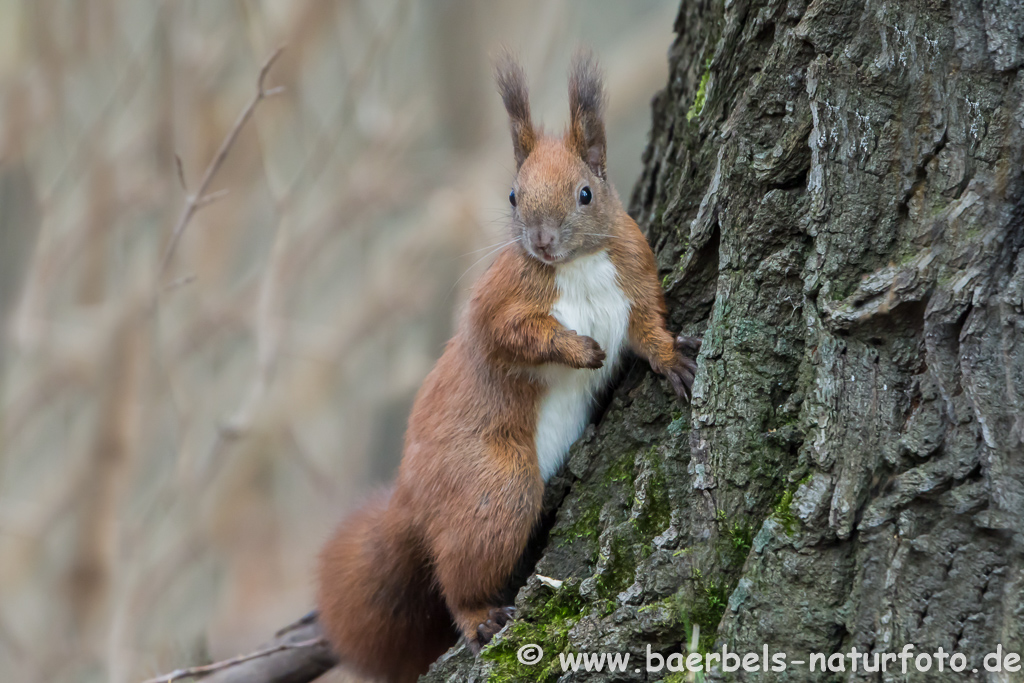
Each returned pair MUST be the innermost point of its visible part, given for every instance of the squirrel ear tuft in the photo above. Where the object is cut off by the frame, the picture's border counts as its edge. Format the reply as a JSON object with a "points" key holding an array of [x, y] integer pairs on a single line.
{"points": [[586, 111], [512, 86]]}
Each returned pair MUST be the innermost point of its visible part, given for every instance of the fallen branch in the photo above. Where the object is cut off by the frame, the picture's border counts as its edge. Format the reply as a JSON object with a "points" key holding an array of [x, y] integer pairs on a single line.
{"points": [[199, 198], [234, 661], [298, 653]]}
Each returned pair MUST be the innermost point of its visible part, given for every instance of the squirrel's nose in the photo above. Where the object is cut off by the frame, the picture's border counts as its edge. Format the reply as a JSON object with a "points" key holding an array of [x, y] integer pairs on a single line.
{"points": [[543, 239]]}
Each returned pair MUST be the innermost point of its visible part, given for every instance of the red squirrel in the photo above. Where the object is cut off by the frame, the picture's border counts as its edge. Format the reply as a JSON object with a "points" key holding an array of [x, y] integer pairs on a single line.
{"points": [[546, 325]]}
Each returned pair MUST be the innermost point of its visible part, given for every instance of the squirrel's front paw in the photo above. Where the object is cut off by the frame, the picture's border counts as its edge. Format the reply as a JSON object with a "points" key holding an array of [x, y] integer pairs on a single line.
{"points": [[495, 621], [593, 355]]}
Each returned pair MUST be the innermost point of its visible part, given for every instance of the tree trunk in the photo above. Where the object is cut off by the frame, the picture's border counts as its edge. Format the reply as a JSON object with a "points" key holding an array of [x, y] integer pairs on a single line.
{"points": [[834, 193]]}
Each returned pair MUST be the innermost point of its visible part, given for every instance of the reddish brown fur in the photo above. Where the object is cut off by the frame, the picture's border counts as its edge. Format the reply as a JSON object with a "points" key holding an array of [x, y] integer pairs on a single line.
{"points": [[402, 577]]}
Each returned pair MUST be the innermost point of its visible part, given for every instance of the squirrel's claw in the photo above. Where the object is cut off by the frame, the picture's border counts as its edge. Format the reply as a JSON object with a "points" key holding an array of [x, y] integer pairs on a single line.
{"points": [[689, 345], [681, 378], [681, 375], [496, 620]]}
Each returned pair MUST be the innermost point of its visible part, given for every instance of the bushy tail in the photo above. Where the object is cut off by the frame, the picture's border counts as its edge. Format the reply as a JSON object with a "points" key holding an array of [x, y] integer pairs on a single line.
{"points": [[378, 600]]}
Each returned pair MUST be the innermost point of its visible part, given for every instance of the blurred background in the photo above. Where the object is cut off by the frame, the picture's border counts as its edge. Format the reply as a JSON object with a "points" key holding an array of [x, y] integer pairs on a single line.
{"points": [[176, 444]]}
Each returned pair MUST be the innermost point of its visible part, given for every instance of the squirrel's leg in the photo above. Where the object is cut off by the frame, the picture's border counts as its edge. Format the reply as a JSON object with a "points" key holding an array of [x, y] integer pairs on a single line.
{"points": [[673, 358], [481, 541], [524, 337]]}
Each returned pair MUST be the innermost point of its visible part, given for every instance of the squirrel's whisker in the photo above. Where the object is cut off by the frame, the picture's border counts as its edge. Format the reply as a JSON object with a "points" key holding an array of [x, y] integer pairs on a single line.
{"points": [[473, 265], [489, 246]]}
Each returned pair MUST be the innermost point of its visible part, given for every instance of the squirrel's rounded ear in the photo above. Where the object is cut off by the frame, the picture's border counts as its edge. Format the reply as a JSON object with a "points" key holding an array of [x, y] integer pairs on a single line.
{"points": [[586, 112], [512, 86]]}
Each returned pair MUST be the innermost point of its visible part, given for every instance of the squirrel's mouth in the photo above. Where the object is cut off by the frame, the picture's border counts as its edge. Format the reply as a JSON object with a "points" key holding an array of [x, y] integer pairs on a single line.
{"points": [[546, 257]]}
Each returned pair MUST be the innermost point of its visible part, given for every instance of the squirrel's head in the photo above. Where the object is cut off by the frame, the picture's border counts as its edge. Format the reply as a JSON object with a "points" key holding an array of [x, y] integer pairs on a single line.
{"points": [[562, 204]]}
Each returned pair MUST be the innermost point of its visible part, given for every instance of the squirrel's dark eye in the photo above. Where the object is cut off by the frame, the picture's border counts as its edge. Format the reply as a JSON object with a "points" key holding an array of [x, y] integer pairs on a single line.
{"points": [[585, 195], [512, 197]]}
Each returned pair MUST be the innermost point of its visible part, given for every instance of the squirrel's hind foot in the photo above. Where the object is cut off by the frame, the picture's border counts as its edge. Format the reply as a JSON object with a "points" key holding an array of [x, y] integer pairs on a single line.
{"points": [[495, 621]]}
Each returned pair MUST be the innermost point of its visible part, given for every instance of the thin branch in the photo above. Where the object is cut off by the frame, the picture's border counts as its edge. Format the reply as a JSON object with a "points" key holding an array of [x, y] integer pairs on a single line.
{"points": [[200, 198], [194, 671], [327, 138], [179, 282], [181, 173], [297, 653], [122, 94], [206, 200]]}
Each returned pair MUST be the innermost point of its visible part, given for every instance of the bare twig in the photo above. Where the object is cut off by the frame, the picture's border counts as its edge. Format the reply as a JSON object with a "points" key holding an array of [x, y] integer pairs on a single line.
{"points": [[181, 173], [82, 151], [298, 653], [199, 198], [179, 282], [206, 200], [327, 138], [194, 671]]}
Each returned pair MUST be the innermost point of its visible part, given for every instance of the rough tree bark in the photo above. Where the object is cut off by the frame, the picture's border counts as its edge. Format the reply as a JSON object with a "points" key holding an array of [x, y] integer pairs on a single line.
{"points": [[834, 192]]}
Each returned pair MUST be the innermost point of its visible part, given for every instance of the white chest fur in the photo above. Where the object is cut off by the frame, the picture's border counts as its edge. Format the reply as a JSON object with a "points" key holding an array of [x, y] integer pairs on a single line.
{"points": [[591, 302]]}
